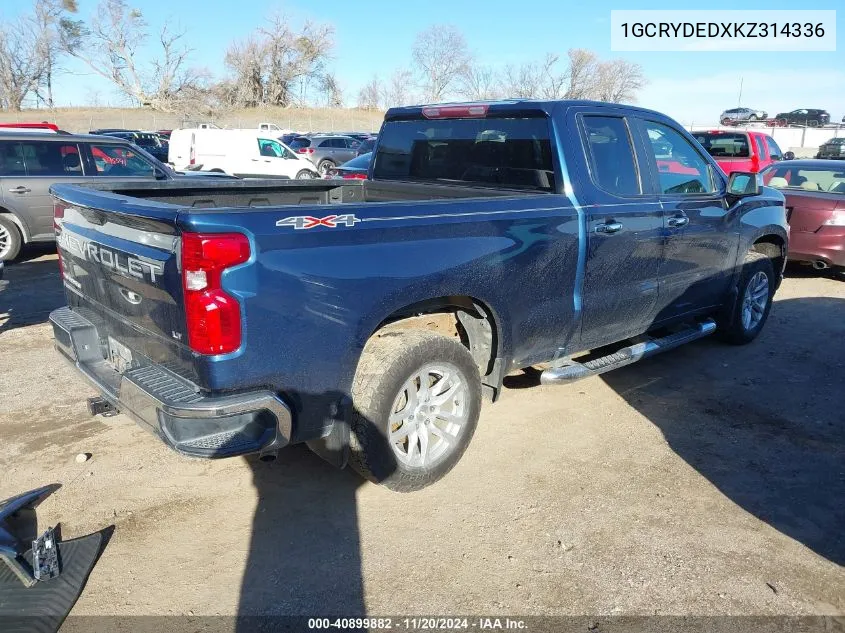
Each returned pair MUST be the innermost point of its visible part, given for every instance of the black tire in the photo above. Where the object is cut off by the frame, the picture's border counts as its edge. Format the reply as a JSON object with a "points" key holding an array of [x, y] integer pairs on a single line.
{"points": [[387, 364], [10, 239], [732, 328], [753, 118], [325, 166], [726, 121], [305, 174]]}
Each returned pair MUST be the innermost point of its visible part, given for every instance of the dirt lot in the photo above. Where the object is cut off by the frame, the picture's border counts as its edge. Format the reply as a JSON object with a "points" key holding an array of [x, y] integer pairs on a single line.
{"points": [[710, 480]]}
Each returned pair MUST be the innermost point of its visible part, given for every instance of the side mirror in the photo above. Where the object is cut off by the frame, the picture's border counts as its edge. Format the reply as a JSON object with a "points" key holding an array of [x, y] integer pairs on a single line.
{"points": [[159, 174], [742, 183], [788, 155]]}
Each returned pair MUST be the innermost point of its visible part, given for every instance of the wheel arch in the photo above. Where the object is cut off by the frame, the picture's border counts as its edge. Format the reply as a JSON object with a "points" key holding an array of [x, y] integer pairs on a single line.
{"points": [[6, 212], [774, 247]]}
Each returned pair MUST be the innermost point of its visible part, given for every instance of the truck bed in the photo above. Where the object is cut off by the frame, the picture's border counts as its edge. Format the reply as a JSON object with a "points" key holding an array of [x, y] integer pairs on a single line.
{"points": [[271, 193]]}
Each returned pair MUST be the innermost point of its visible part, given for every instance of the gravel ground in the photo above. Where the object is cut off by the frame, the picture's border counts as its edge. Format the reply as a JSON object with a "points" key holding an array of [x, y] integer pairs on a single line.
{"points": [[708, 480]]}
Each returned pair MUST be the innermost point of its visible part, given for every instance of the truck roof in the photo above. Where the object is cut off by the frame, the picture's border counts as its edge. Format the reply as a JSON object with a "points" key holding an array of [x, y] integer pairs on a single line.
{"points": [[464, 108]]}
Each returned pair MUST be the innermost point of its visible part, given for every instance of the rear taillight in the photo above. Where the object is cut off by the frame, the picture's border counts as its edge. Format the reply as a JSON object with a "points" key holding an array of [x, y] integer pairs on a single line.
{"points": [[305, 150], [213, 316], [356, 176]]}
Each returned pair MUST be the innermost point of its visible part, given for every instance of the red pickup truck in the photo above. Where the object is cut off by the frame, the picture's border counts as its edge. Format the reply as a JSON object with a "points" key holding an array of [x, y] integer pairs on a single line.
{"points": [[740, 151]]}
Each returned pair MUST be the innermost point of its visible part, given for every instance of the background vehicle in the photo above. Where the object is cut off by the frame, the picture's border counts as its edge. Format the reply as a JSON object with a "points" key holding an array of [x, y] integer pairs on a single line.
{"points": [[243, 153], [357, 168], [306, 318], [326, 152], [815, 208], [31, 161], [367, 145], [803, 116], [149, 141], [735, 116], [740, 151], [834, 148]]}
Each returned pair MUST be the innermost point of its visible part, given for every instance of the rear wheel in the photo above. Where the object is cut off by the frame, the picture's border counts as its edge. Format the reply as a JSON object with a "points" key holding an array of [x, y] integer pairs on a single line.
{"points": [[325, 166], [726, 121], [10, 239], [756, 291], [417, 396], [752, 118]]}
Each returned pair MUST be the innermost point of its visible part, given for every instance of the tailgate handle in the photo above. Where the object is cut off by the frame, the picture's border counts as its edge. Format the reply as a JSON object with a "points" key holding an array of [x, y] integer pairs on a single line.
{"points": [[20, 189]]}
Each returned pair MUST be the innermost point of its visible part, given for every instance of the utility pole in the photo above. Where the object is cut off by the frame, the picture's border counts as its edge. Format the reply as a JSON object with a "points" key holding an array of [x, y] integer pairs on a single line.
{"points": [[739, 99]]}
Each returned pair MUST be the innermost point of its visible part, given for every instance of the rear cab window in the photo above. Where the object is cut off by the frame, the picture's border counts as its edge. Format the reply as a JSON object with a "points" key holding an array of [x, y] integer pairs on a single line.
{"points": [[724, 144], [492, 151]]}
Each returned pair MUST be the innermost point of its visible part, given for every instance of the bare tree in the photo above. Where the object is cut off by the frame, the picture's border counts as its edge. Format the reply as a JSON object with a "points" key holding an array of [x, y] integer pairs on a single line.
{"points": [[369, 97], [619, 81], [245, 62], [522, 82], [29, 47], [112, 45], [440, 55], [331, 90], [399, 89], [478, 82], [582, 74], [293, 56]]}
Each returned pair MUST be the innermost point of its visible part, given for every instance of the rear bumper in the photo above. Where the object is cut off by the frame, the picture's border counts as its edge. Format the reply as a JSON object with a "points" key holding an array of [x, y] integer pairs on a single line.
{"points": [[827, 244], [172, 407]]}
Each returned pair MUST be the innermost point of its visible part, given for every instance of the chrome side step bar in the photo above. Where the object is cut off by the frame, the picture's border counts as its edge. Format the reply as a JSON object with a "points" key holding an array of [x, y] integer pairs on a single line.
{"points": [[570, 370]]}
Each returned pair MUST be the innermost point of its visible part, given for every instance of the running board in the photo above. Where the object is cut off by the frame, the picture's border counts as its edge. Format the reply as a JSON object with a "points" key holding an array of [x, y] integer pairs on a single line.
{"points": [[571, 370]]}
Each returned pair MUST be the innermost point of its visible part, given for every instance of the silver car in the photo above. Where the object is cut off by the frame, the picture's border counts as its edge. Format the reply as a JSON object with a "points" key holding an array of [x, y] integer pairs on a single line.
{"points": [[30, 162], [326, 152], [735, 116]]}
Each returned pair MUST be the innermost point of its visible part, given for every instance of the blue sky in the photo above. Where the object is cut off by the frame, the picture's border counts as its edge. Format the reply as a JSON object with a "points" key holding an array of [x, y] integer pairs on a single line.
{"points": [[375, 37]]}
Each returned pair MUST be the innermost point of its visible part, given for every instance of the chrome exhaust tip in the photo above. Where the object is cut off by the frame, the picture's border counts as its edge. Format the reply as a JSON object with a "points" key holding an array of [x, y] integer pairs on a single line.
{"points": [[820, 264]]}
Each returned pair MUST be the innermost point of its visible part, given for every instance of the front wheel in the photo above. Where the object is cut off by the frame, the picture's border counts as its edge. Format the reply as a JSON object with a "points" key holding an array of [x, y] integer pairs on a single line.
{"points": [[416, 396], [305, 174], [756, 291]]}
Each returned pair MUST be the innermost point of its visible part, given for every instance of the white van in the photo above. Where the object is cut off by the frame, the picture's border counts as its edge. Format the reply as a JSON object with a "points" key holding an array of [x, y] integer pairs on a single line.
{"points": [[244, 153]]}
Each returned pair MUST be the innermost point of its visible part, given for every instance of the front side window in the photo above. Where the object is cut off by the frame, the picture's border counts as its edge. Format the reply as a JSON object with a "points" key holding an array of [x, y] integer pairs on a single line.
{"points": [[611, 155], [495, 152], [267, 147], [681, 168], [120, 161], [774, 150]]}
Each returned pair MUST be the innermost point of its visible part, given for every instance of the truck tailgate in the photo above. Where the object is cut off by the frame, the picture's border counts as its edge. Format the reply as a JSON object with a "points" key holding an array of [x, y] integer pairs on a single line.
{"points": [[121, 272]]}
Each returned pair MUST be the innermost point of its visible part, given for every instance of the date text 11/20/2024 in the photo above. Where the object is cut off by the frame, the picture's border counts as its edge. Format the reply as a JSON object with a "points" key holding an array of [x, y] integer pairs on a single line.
{"points": [[418, 624]]}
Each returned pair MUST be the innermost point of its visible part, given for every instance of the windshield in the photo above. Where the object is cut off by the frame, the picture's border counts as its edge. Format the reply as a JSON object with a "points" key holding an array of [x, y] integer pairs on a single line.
{"points": [[498, 152], [805, 178], [722, 145]]}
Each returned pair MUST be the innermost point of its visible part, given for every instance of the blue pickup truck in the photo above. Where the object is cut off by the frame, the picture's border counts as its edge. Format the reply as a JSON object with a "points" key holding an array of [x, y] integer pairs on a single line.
{"points": [[369, 319]]}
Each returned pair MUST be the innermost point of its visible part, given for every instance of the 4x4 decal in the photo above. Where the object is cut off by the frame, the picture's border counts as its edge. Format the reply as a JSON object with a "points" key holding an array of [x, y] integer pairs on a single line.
{"points": [[309, 222]]}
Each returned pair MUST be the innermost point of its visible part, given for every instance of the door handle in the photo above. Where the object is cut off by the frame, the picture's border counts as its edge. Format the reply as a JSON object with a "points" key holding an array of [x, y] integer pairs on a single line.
{"points": [[20, 189], [678, 221], [609, 227]]}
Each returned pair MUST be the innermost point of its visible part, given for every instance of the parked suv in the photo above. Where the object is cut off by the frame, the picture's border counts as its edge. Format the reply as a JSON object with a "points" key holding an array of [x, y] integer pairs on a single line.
{"points": [[32, 161], [834, 148], [803, 116], [326, 152], [735, 116], [148, 141]]}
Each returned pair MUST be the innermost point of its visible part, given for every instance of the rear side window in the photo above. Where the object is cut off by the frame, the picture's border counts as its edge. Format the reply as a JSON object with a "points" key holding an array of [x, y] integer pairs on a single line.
{"points": [[119, 161], [611, 155], [681, 168], [724, 145], [39, 158], [495, 152]]}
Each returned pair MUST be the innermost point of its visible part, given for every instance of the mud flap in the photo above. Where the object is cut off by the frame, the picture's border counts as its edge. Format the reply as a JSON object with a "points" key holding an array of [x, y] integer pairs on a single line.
{"points": [[39, 582]]}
